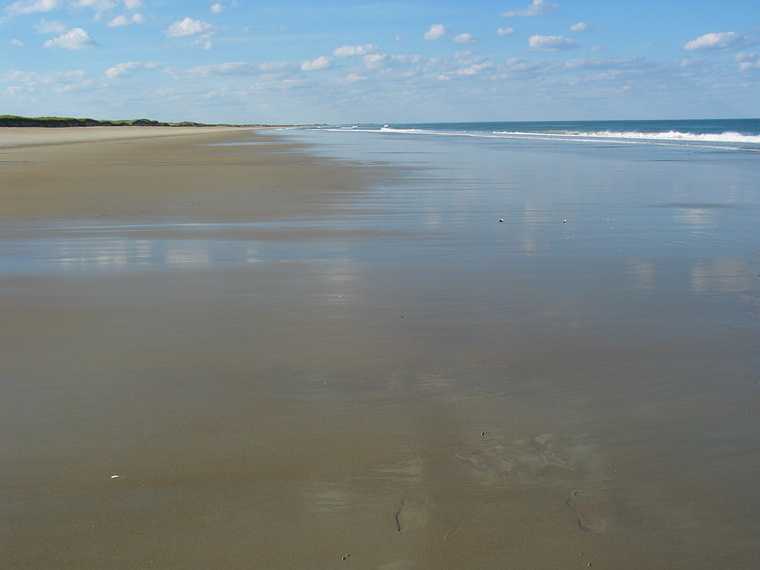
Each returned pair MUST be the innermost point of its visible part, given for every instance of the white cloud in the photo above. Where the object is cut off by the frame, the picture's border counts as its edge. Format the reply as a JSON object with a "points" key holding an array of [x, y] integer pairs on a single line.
{"points": [[74, 39], [50, 27], [505, 31], [322, 62], [517, 66], [122, 69], [122, 20], [536, 8], [23, 7], [15, 42], [269, 74], [350, 51], [690, 62], [30, 82], [464, 64], [374, 60], [713, 40], [274, 66], [187, 27], [133, 4], [99, 6], [229, 68], [579, 27], [551, 43], [205, 41], [473, 69], [408, 58], [748, 61], [436, 32], [632, 64], [354, 78], [119, 22], [464, 38], [216, 8]]}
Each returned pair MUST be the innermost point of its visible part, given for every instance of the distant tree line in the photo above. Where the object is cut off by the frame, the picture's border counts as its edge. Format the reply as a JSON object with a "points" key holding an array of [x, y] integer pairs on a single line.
{"points": [[52, 122]]}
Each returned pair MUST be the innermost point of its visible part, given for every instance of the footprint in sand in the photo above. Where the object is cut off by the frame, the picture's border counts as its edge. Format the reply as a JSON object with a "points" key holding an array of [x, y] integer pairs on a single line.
{"points": [[591, 511], [522, 461], [489, 467], [410, 515], [551, 461]]}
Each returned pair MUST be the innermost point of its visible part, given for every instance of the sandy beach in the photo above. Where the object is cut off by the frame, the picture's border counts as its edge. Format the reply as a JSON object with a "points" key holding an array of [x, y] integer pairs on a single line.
{"points": [[152, 172], [225, 350], [33, 136]]}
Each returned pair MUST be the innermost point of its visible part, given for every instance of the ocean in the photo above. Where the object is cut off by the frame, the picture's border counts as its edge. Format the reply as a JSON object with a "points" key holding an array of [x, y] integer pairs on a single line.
{"points": [[718, 133]]}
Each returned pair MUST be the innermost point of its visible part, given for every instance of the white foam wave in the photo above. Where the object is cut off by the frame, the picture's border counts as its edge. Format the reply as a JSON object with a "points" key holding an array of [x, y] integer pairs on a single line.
{"points": [[387, 129], [725, 137], [721, 141]]}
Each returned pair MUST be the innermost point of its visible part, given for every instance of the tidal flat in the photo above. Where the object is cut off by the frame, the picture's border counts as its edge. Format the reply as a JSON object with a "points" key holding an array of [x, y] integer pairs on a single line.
{"points": [[316, 350]]}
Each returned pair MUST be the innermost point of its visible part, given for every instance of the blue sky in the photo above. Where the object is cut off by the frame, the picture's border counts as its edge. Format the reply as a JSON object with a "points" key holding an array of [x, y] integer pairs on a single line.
{"points": [[380, 61]]}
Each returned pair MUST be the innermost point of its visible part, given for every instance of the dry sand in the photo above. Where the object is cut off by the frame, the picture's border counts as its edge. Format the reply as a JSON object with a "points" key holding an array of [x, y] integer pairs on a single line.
{"points": [[27, 136], [161, 173]]}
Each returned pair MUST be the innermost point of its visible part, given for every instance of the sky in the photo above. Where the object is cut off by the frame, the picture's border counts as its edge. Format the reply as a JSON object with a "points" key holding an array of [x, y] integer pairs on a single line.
{"points": [[330, 61]]}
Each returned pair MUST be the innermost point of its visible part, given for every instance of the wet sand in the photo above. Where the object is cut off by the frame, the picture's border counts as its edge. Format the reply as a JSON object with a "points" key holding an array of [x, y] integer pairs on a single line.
{"points": [[345, 410]]}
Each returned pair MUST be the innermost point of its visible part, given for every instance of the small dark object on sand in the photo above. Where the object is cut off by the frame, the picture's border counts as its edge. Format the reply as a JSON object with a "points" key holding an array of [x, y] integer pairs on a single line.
{"points": [[345, 557], [397, 516], [483, 434]]}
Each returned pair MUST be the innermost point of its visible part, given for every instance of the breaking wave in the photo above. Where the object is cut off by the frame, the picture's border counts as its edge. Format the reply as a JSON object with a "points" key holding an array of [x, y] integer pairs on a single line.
{"points": [[725, 137], [726, 140]]}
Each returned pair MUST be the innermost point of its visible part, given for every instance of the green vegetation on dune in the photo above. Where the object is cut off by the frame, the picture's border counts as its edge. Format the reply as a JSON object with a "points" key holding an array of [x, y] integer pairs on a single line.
{"points": [[52, 122]]}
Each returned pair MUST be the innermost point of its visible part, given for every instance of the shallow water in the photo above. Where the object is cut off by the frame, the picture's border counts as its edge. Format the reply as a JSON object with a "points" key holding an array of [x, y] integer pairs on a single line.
{"points": [[406, 382]]}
